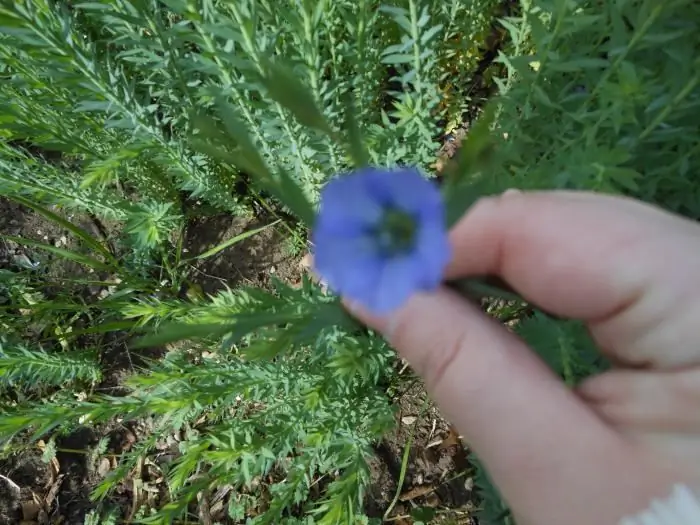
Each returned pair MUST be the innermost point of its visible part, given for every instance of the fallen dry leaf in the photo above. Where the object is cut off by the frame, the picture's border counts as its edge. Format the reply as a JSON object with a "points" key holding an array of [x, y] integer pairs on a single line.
{"points": [[30, 510], [204, 510], [451, 440], [416, 492], [53, 492]]}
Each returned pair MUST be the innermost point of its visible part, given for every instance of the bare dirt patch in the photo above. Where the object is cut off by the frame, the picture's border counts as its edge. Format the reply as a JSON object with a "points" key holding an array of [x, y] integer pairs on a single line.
{"points": [[250, 262]]}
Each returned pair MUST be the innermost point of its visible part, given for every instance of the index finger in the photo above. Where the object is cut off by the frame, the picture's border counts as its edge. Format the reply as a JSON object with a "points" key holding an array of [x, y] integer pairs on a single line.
{"points": [[630, 270]]}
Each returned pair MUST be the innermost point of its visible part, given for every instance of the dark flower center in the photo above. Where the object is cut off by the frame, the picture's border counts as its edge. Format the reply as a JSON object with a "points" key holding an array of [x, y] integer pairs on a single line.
{"points": [[396, 232]]}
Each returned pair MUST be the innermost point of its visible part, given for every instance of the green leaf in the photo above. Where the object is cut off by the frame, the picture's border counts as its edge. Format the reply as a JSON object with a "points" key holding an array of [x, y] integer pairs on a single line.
{"points": [[356, 146], [430, 33], [237, 326], [625, 177], [172, 332], [66, 254], [285, 88], [116, 326], [268, 349], [81, 234], [238, 132], [234, 240], [397, 59], [467, 173], [292, 195], [579, 64], [423, 514], [228, 140]]}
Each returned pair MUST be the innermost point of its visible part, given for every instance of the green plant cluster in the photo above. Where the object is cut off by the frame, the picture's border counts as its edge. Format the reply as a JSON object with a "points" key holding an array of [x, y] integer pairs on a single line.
{"points": [[141, 115]]}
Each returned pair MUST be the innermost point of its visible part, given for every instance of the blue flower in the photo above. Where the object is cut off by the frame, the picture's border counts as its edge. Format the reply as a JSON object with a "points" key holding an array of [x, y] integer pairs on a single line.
{"points": [[380, 236]]}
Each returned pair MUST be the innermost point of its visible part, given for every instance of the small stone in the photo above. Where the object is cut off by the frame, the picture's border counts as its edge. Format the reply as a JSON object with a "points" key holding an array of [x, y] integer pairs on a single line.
{"points": [[39, 232], [408, 420], [23, 261], [273, 269], [104, 467]]}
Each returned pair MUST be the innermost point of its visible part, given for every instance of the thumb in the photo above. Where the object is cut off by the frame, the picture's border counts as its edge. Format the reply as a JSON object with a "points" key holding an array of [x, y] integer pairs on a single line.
{"points": [[528, 428]]}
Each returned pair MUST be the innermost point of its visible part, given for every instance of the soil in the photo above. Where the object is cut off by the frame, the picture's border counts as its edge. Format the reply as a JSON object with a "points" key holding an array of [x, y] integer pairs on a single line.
{"points": [[251, 262], [438, 477]]}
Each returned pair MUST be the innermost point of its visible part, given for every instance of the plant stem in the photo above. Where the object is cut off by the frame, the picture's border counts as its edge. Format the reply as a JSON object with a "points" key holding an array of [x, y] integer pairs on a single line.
{"points": [[404, 460]]}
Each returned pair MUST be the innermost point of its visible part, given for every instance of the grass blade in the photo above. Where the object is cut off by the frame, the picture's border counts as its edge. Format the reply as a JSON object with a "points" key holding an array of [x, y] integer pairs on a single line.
{"points": [[88, 239], [174, 332], [66, 254], [235, 240]]}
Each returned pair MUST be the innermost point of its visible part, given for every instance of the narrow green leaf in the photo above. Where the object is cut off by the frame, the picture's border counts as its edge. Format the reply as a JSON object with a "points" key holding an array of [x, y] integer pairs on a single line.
{"points": [[236, 327], [430, 33], [238, 132], [397, 59], [81, 234], [234, 240], [229, 141], [267, 349], [66, 254], [356, 146], [285, 88], [292, 195], [575, 66], [467, 177], [172, 332], [116, 326]]}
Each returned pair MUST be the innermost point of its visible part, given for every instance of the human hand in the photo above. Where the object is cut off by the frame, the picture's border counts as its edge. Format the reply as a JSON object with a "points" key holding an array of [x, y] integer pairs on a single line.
{"points": [[632, 273]]}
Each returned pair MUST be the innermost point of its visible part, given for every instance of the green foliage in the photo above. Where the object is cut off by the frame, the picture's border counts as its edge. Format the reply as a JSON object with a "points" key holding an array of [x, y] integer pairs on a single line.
{"points": [[565, 346], [139, 114], [311, 413], [599, 96], [20, 366]]}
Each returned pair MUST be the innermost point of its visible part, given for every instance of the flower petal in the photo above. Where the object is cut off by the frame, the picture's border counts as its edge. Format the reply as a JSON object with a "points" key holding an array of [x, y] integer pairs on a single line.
{"points": [[349, 264], [434, 252], [399, 279], [347, 205], [405, 189]]}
